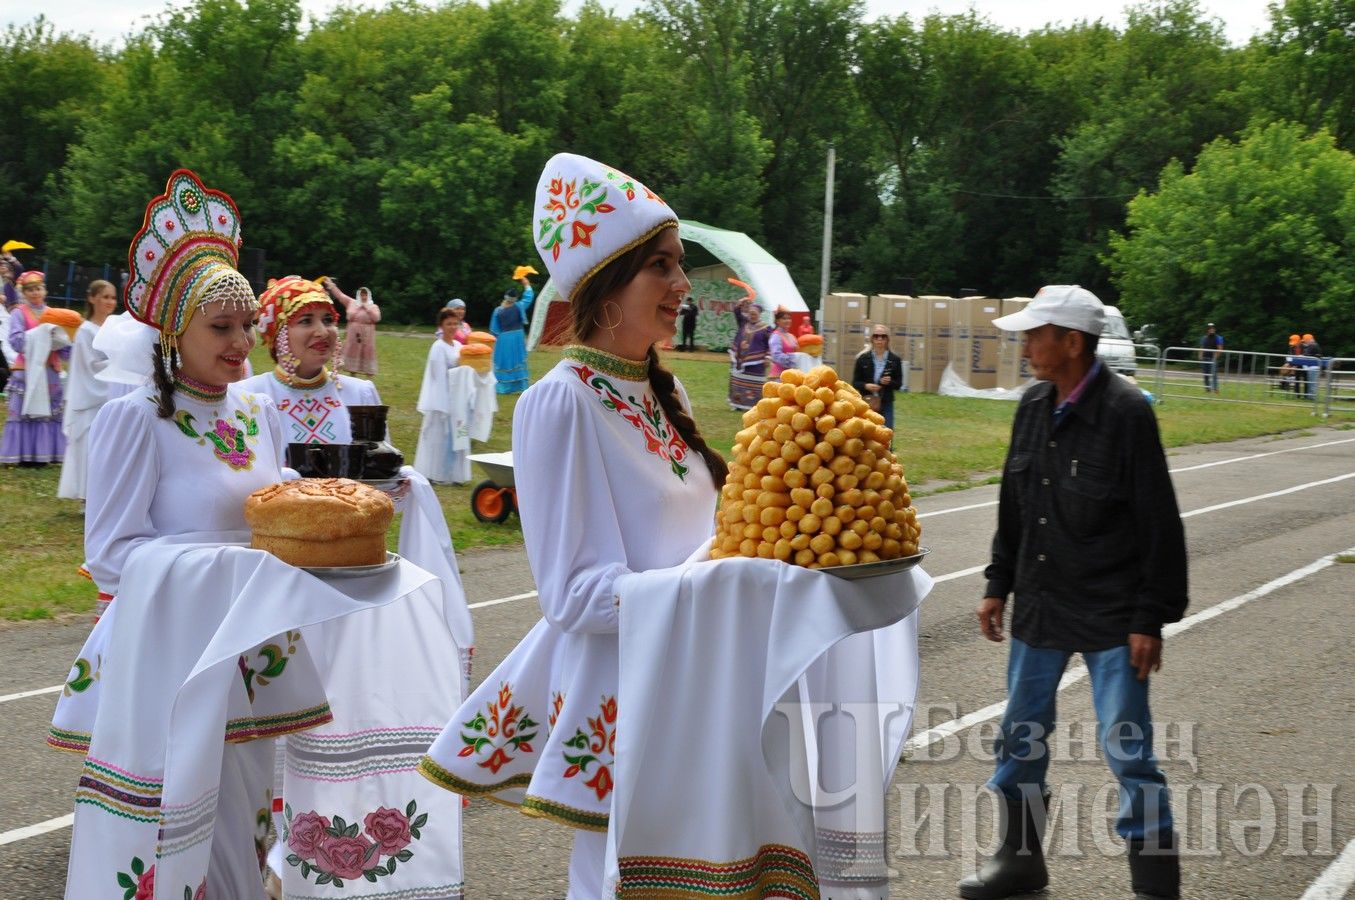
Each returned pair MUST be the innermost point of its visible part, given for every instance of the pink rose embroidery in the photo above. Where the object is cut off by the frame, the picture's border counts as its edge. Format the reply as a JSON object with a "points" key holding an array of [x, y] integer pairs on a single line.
{"points": [[344, 857], [308, 833], [145, 886], [389, 828]]}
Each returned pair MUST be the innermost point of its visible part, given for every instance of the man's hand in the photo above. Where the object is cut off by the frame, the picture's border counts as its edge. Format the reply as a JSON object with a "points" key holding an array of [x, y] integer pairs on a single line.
{"points": [[1145, 654], [990, 618]]}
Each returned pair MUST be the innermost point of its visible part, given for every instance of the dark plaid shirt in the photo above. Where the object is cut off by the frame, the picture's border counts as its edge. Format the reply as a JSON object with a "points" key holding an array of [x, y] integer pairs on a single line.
{"points": [[1089, 537]]}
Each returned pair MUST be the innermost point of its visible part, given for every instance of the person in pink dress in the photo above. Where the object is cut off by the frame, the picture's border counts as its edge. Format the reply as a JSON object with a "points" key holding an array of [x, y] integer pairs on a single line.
{"points": [[781, 344], [359, 346]]}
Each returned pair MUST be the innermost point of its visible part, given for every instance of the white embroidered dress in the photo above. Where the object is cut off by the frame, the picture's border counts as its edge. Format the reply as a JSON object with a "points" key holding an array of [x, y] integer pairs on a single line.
{"points": [[85, 393], [315, 415], [606, 487], [159, 478], [388, 714]]}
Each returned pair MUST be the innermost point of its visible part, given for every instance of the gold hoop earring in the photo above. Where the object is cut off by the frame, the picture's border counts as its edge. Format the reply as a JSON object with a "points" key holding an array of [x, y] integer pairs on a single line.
{"points": [[609, 326]]}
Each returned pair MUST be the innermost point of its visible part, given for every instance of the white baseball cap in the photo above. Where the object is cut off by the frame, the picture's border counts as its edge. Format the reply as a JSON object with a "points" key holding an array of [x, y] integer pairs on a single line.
{"points": [[1068, 305]]}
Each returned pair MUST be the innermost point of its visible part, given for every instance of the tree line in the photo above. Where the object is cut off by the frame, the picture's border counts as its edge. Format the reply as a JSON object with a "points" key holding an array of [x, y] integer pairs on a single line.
{"points": [[1185, 179]]}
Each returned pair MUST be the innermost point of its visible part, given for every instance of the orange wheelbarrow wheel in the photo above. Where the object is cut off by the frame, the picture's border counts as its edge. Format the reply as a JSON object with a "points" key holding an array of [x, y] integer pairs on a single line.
{"points": [[492, 503]]}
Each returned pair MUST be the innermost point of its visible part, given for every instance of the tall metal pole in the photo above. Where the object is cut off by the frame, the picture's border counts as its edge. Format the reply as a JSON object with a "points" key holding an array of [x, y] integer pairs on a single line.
{"points": [[827, 227]]}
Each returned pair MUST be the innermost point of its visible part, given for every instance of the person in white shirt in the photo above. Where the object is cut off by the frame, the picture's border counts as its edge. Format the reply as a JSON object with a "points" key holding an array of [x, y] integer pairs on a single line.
{"points": [[85, 393]]}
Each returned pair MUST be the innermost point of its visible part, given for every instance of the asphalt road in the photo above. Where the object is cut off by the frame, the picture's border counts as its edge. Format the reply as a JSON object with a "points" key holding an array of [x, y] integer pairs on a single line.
{"points": [[1254, 704]]}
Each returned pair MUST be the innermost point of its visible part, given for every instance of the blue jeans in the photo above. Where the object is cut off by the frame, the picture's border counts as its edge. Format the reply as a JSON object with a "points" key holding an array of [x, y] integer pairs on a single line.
{"points": [[1124, 731], [1211, 375]]}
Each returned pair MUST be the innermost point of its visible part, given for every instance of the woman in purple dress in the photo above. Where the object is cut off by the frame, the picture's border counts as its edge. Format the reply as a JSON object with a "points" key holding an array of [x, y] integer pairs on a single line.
{"points": [[33, 429]]}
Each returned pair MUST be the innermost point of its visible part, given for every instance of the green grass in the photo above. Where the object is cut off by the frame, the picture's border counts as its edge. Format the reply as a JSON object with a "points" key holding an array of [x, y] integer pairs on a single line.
{"points": [[945, 444]]}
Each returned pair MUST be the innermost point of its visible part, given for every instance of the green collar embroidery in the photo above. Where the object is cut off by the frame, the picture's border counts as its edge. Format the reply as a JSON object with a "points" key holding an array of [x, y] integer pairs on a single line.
{"points": [[608, 363]]}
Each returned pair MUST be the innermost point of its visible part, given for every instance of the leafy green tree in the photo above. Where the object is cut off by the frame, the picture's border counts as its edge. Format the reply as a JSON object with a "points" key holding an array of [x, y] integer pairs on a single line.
{"points": [[52, 84], [1304, 66], [1259, 238], [1161, 97]]}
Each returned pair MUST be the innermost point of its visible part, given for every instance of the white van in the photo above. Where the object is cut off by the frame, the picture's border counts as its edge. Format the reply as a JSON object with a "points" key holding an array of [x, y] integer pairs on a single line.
{"points": [[1116, 347]]}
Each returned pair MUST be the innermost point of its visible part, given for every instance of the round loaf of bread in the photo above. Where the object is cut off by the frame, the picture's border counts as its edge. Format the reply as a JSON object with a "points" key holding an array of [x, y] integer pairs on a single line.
{"points": [[320, 522], [478, 357]]}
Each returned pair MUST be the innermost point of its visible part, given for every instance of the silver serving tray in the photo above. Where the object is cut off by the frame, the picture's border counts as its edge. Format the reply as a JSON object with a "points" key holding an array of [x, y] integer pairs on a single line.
{"points": [[388, 485], [392, 560], [872, 569]]}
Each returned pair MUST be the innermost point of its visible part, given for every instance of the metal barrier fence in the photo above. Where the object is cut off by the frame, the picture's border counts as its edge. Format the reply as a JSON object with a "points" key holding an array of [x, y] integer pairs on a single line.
{"points": [[68, 282], [1340, 386], [1242, 376]]}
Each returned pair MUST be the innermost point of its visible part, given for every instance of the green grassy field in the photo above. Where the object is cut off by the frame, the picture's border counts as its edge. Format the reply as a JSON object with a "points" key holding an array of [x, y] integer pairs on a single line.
{"points": [[943, 442]]}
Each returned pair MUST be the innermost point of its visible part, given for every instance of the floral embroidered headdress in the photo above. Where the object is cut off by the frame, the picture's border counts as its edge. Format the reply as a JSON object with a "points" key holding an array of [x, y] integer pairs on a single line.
{"points": [[283, 298], [31, 276], [185, 255], [587, 214]]}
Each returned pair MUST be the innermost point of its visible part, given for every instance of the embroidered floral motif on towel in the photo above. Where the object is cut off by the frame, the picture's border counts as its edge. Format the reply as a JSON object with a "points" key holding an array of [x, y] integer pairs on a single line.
{"points": [[594, 752], [274, 662], [229, 443], [199, 894], [139, 883], [333, 850], [661, 438], [503, 726], [566, 199], [774, 871]]}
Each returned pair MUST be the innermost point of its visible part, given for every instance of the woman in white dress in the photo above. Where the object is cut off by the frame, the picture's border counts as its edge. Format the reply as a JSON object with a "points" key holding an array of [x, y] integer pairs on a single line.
{"points": [[437, 456], [300, 328], [613, 477], [85, 393], [176, 456]]}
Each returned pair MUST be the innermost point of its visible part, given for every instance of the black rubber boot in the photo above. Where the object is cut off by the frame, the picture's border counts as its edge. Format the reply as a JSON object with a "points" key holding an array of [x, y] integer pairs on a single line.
{"points": [[1155, 869], [1018, 866]]}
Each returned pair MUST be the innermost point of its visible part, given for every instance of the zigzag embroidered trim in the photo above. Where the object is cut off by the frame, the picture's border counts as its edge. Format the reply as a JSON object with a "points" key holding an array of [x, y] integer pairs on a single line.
{"points": [[435, 773], [254, 727], [184, 827], [68, 741], [541, 808], [119, 793], [851, 858], [365, 754], [775, 871]]}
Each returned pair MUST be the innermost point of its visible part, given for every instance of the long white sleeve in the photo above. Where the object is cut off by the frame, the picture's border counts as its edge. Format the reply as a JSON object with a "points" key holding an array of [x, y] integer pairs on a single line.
{"points": [[568, 511], [121, 487]]}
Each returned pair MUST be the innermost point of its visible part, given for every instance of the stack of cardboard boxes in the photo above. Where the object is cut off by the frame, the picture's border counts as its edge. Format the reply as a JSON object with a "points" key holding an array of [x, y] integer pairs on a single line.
{"points": [[928, 334], [842, 322]]}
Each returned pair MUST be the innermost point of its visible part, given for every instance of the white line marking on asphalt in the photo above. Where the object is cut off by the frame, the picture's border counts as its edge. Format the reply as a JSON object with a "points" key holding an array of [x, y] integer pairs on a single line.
{"points": [[1237, 459], [483, 603], [1298, 487], [22, 694], [1336, 879], [1077, 673], [28, 831], [1208, 465]]}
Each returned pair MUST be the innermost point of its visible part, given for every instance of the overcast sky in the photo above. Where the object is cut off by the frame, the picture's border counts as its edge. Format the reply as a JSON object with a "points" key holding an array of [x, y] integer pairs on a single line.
{"points": [[108, 20]]}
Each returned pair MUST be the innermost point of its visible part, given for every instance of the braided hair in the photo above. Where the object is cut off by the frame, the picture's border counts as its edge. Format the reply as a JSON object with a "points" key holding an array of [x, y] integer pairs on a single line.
{"points": [[585, 305], [164, 382]]}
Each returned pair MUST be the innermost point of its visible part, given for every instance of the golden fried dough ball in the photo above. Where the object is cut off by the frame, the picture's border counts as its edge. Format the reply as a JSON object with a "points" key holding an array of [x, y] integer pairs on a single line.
{"points": [[812, 481]]}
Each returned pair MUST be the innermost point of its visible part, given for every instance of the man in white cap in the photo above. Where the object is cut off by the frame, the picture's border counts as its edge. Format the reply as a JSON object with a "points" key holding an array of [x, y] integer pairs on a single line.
{"points": [[1090, 543]]}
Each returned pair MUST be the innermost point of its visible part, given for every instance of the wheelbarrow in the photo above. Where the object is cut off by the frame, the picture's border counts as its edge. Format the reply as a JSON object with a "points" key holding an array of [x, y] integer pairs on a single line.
{"points": [[495, 498]]}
